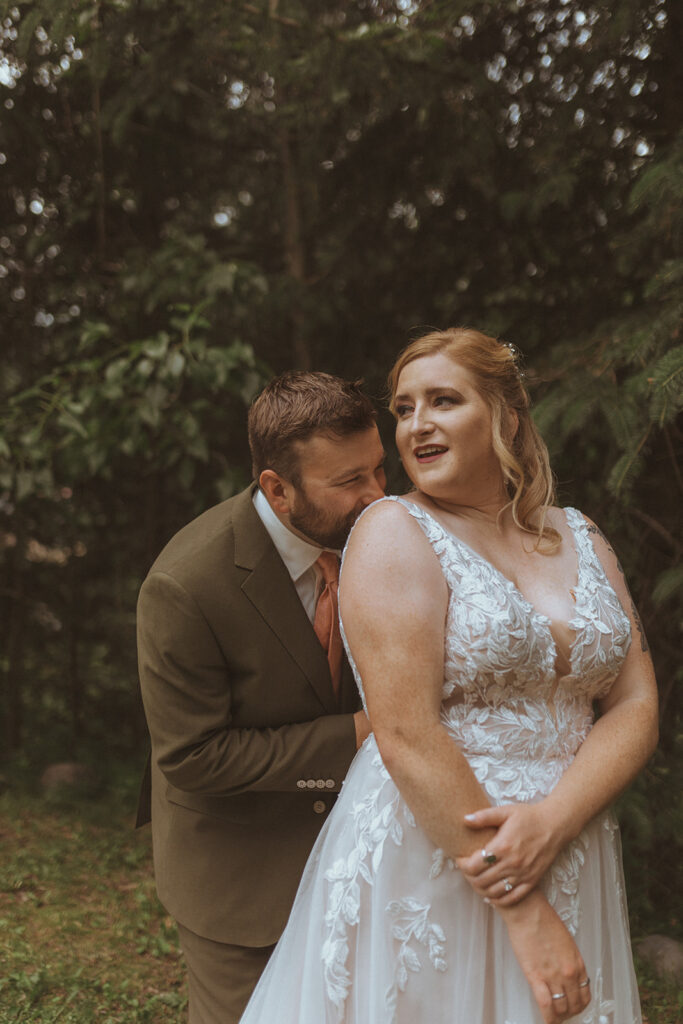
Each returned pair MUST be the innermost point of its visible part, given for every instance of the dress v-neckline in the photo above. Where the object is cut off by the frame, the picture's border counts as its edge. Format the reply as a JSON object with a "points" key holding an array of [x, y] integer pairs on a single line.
{"points": [[510, 584]]}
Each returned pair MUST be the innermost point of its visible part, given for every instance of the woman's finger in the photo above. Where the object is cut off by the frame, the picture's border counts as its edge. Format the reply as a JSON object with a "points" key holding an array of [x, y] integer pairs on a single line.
{"points": [[489, 817], [578, 995], [541, 994], [560, 1003], [477, 863], [509, 899], [569, 991]]}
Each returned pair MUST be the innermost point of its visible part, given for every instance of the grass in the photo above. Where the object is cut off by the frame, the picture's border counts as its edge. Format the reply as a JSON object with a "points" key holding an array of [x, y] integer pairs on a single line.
{"points": [[661, 1001], [83, 938]]}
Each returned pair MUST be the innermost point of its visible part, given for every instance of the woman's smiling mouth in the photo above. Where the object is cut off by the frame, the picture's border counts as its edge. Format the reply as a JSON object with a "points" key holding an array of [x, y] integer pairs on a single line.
{"points": [[428, 453]]}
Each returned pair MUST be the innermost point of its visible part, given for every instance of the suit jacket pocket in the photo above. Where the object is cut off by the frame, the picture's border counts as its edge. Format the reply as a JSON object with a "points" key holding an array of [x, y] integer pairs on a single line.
{"points": [[243, 809]]}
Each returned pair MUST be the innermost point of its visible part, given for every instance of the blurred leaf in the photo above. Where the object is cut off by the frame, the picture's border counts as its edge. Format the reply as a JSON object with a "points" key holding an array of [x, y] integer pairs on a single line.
{"points": [[668, 585]]}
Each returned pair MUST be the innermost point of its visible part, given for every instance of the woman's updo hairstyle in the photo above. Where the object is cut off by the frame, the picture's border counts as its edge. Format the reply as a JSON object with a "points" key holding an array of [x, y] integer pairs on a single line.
{"points": [[523, 456]]}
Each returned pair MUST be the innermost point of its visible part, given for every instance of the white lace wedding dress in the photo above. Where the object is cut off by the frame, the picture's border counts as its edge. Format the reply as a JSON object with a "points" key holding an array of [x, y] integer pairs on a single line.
{"points": [[384, 929]]}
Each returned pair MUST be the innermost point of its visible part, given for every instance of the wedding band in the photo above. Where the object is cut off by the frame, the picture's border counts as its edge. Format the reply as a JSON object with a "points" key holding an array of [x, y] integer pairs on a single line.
{"points": [[560, 995], [488, 858], [584, 984], [509, 887]]}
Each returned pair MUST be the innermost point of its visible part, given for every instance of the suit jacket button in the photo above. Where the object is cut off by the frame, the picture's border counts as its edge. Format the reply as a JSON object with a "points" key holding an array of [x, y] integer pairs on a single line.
{"points": [[319, 807], [310, 783], [301, 783], [329, 783], [320, 783]]}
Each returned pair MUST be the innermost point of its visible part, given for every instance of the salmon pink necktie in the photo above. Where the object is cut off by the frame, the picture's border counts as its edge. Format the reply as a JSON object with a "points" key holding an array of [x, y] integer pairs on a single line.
{"points": [[326, 621]]}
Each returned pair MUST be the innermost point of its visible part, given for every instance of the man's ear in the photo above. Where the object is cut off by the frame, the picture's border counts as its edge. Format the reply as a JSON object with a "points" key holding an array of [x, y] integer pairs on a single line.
{"points": [[277, 490]]}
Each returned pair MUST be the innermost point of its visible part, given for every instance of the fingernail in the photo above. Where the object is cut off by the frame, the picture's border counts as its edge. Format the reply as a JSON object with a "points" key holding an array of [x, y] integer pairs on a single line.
{"points": [[486, 899], [470, 817]]}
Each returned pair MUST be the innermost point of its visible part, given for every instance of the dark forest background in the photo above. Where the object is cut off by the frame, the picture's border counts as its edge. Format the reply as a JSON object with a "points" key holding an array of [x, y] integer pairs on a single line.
{"points": [[195, 195]]}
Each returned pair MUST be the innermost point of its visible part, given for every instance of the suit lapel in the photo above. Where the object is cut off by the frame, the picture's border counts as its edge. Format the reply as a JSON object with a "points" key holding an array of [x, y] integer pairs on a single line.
{"points": [[270, 589]]}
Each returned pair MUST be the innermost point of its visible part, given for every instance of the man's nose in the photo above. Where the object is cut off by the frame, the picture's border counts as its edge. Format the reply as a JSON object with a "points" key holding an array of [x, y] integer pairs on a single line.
{"points": [[373, 491], [377, 487]]}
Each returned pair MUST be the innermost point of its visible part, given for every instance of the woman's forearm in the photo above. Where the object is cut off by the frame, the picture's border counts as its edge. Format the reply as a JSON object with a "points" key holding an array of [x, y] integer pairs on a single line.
{"points": [[615, 750], [437, 783]]}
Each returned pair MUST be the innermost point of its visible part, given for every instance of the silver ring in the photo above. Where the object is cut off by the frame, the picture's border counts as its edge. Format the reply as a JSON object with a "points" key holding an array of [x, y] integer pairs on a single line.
{"points": [[584, 984], [560, 995], [508, 885], [488, 858]]}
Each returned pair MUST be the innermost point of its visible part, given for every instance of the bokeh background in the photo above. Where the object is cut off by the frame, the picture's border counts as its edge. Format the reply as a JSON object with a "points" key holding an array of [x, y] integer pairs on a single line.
{"points": [[196, 195]]}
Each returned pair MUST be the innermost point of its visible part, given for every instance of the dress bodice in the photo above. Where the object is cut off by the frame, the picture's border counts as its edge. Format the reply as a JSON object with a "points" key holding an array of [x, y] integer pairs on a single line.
{"points": [[516, 720]]}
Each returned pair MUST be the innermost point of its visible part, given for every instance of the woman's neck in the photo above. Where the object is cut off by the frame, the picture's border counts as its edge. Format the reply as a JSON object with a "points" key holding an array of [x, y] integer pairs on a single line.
{"points": [[485, 513]]}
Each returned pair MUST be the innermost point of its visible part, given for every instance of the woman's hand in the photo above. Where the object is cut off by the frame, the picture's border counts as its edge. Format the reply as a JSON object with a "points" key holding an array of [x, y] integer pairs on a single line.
{"points": [[549, 958], [527, 842]]}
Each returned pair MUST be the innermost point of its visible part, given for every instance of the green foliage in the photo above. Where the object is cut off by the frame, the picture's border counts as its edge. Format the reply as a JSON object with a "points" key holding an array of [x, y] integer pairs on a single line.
{"points": [[145, 401], [667, 387]]}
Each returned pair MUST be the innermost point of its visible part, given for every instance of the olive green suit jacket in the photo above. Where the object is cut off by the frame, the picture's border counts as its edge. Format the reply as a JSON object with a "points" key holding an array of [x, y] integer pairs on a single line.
{"points": [[249, 743]]}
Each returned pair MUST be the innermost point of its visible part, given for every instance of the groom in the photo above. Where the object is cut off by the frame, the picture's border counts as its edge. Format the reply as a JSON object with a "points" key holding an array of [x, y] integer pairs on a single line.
{"points": [[251, 707]]}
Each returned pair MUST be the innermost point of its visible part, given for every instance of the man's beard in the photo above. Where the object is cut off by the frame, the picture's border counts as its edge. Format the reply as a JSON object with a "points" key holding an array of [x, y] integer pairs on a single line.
{"points": [[320, 526]]}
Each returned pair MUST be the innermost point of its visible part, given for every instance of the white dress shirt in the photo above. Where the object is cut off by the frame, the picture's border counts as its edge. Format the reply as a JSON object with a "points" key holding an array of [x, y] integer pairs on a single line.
{"points": [[299, 555]]}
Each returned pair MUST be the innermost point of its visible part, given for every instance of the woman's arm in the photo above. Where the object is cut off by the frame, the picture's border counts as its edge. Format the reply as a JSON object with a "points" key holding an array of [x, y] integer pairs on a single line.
{"points": [[617, 747], [393, 601]]}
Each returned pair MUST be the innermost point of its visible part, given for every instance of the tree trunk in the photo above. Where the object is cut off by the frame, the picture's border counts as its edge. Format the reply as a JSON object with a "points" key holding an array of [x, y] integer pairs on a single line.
{"points": [[75, 681], [295, 251], [14, 618], [295, 255]]}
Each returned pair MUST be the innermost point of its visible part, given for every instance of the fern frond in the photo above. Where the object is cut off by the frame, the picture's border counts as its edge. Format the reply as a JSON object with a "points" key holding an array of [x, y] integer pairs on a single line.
{"points": [[667, 387]]}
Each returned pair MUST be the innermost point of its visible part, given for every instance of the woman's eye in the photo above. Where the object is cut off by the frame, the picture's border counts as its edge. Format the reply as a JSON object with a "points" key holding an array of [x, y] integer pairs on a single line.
{"points": [[444, 400], [401, 410]]}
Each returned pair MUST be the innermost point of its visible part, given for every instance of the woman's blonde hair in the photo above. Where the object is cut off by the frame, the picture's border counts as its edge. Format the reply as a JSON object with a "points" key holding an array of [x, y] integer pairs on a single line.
{"points": [[523, 458]]}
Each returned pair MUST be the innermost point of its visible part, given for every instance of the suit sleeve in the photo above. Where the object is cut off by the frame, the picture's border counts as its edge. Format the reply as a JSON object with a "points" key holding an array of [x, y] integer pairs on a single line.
{"points": [[187, 697]]}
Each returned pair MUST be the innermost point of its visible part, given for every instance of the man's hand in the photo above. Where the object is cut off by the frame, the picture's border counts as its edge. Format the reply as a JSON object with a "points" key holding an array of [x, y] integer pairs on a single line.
{"points": [[363, 729], [527, 842], [549, 958]]}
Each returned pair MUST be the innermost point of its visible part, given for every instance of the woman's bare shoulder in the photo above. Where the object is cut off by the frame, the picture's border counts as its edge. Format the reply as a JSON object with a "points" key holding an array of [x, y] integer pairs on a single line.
{"points": [[386, 534], [389, 563], [386, 513]]}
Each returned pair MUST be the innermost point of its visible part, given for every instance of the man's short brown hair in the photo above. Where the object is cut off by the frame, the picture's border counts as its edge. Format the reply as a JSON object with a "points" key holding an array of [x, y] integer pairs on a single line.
{"points": [[296, 405]]}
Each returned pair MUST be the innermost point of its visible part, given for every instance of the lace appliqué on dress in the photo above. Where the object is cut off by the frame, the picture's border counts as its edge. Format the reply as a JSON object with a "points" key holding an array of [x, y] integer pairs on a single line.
{"points": [[411, 922], [602, 628], [439, 862], [601, 1010], [561, 884], [374, 822]]}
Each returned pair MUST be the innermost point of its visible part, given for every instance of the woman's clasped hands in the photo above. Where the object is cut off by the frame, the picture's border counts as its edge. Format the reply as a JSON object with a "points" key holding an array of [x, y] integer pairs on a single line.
{"points": [[511, 864], [505, 872]]}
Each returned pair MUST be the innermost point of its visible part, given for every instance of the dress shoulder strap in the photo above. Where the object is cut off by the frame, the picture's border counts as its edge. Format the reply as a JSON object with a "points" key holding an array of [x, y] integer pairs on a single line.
{"points": [[431, 526], [587, 555]]}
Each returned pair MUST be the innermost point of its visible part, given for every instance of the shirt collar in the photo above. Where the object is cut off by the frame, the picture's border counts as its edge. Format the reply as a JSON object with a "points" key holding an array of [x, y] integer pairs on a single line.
{"points": [[297, 554]]}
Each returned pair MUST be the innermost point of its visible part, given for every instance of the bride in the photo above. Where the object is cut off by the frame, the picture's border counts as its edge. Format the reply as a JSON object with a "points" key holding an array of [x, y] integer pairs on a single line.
{"points": [[470, 871]]}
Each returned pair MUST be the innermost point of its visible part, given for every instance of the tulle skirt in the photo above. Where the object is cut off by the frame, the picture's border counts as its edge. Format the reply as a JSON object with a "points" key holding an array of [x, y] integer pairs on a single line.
{"points": [[385, 930]]}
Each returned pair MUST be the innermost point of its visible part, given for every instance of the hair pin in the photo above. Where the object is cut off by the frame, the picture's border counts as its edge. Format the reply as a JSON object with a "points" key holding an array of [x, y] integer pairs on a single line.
{"points": [[516, 357]]}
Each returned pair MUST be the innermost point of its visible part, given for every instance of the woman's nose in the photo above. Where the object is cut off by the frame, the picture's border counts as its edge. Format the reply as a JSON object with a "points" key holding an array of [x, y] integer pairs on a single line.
{"points": [[421, 422]]}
